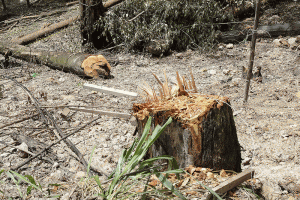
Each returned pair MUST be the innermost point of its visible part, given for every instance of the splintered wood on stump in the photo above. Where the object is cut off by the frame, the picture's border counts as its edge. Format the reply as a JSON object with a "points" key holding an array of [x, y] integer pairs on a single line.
{"points": [[203, 132]]}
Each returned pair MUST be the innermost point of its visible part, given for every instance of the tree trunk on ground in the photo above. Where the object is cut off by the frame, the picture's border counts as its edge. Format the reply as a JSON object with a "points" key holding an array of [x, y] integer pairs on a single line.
{"points": [[263, 31], [86, 65], [91, 33], [204, 136], [50, 29]]}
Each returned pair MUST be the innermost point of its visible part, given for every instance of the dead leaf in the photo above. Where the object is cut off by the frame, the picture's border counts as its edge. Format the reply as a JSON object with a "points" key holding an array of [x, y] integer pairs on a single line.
{"points": [[223, 173], [153, 183]]}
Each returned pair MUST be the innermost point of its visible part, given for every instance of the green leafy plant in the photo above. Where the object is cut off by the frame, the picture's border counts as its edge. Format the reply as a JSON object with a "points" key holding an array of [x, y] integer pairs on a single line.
{"points": [[18, 178], [34, 75], [176, 24], [131, 165]]}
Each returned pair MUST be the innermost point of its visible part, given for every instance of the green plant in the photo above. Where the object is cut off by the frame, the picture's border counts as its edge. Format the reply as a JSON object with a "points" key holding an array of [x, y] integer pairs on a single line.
{"points": [[18, 178], [175, 24], [131, 161]]}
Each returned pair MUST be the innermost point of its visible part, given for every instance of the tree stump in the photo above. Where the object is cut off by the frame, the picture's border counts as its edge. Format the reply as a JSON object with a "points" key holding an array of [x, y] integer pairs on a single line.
{"points": [[202, 133]]}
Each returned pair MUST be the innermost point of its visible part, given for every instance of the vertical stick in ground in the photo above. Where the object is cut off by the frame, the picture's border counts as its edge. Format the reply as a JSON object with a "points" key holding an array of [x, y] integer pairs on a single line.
{"points": [[252, 53]]}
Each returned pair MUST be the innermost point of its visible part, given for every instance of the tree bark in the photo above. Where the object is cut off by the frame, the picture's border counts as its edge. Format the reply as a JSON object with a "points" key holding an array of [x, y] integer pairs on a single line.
{"points": [[207, 140], [263, 31], [91, 33], [82, 64], [50, 29], [3, 4]]}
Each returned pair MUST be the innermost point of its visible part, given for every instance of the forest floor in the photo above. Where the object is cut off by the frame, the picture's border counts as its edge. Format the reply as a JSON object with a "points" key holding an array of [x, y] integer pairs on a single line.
{"points": [[268, 126]]}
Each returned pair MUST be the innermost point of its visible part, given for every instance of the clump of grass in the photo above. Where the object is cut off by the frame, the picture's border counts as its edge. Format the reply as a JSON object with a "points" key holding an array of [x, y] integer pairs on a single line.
{"points": [[175, 24], [131, 165]]}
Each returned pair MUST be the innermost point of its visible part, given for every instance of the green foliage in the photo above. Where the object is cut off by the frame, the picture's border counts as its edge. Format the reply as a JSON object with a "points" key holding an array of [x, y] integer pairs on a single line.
{"points": [[177, 24], [131, 161], [18, 178]]}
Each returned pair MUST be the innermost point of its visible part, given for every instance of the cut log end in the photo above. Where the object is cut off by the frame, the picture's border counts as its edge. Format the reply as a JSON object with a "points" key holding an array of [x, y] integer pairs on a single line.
{"points": [[96, 66], [203, 132]]}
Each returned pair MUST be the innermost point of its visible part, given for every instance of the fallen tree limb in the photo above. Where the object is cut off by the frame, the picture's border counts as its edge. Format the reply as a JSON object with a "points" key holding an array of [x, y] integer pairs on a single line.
{"points": [[51, 145], [100, 112], [79, 63], [50, 29], [43, 14], [18, 121], [262, 31], [51, 120]]}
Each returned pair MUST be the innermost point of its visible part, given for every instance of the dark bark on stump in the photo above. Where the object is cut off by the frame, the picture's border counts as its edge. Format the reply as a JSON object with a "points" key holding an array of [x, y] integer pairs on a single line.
{"points": [[211, 144]]}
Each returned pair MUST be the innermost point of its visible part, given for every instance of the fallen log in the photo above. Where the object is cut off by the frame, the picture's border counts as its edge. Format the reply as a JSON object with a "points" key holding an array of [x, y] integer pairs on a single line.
{"points": [[50, 29], [202, 133], [287, 29], [86, 65]]}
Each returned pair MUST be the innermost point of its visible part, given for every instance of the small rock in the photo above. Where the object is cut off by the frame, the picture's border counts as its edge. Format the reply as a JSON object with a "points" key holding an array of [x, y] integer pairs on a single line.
{"points": [[229, 46], [236, 80], [221, 48], [212, 72], [80, 175], [21, 153], [226, 71], [179, 55], [277, 43], [68, 97], [293, 43]]}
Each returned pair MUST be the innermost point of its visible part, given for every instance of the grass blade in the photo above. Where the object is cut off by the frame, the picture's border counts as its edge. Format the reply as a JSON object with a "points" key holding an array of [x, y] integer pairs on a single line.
{"points": [[209, 189], [169, 185], [90, 161], [25, 180]]}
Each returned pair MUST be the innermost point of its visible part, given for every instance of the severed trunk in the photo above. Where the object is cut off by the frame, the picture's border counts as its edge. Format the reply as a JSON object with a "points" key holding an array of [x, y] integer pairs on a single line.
{"points": [[87, 65], [91, 32], [203, 132]]}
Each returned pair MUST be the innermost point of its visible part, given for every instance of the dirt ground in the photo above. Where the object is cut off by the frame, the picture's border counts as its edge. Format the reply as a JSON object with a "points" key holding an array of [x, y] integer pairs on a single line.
{"points": [[268, 125]]}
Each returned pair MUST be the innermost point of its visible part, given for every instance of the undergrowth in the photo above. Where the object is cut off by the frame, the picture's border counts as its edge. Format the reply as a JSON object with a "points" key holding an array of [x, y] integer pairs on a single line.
{"points": [[173, 24], [131, 171]]}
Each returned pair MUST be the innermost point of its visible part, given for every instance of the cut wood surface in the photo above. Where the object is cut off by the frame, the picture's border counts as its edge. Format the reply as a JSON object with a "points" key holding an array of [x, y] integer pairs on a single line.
{"points": [[108, 90], [82, 64], [232, 182], [108, 113]]}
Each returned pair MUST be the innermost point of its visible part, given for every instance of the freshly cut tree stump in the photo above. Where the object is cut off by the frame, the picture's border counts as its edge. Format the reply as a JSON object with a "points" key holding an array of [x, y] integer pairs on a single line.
{"points": [[203, 131]]}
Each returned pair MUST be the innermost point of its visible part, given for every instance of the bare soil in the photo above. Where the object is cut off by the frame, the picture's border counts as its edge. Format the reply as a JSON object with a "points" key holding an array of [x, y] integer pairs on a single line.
{"points": [[268, 124]]}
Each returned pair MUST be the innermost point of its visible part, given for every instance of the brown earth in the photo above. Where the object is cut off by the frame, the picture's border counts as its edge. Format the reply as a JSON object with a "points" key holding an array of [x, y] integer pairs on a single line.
{"points": [[268, 125]]}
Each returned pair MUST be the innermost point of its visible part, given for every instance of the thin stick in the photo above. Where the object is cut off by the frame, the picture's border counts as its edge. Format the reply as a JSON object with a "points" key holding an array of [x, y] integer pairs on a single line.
{"points": [[51, 119], [253, 42], [28, 152], [18, 121], [51, 145]]}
